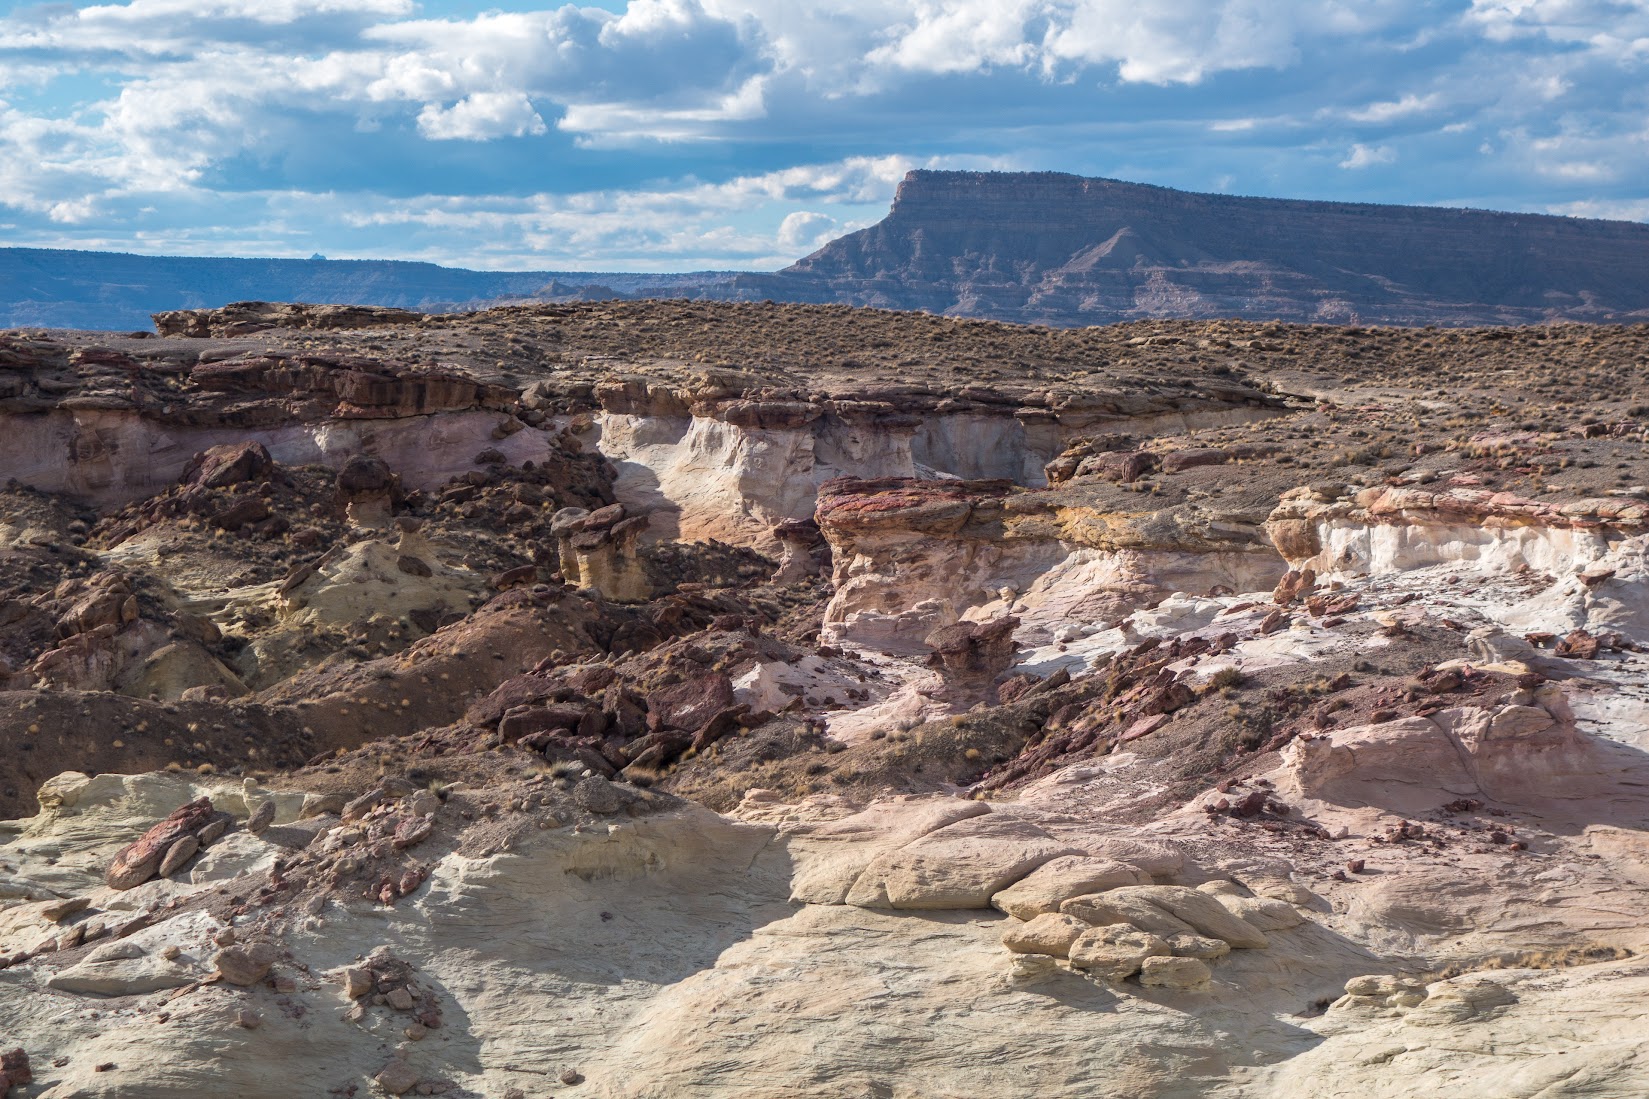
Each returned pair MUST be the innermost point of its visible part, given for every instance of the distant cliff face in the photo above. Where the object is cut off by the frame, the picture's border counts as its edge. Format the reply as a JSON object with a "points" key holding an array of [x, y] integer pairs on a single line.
{"points": [[1061, 249]]}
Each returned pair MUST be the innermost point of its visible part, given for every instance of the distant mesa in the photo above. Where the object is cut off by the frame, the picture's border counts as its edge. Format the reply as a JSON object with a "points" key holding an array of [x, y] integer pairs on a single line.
{"points": [[1038, 247], [1065, 250]]}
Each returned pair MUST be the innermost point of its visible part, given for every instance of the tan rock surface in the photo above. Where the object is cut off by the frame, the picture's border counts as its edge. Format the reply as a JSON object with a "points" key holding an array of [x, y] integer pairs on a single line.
{"points": [[1049, 933], [1058, 880]]}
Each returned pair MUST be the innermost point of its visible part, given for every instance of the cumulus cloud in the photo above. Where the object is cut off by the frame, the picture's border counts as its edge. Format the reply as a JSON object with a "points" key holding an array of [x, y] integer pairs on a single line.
{"points": [[1176, 43], [805, 230], [481, 116]]}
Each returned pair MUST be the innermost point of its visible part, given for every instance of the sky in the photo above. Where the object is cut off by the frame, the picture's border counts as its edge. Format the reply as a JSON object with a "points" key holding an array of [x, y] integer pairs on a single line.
{"points": [[675, 135]]}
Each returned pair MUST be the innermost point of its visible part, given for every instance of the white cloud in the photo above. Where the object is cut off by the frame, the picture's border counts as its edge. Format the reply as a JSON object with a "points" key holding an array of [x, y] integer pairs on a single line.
{"points": [[764, 220], [1617, 29], [480, 116], [1180, 42], [1366, 156], [1392, 110], [958, 37], [607, 124], [806, 230]]}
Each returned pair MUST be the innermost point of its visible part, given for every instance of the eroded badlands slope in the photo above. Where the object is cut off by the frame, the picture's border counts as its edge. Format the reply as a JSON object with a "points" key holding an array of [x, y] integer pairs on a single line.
{"points": [[670, 699]]}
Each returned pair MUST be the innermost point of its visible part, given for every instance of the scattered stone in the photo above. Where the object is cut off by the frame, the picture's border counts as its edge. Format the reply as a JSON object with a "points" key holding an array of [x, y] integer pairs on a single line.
{"points": [[397, 1077], [179, 853], [262, 817], [357, 981], [245, 965], [14, 1070]]}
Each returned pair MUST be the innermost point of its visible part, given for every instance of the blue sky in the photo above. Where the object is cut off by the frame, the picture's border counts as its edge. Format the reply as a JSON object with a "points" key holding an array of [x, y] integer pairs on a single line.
{"points": [[688, 134]]}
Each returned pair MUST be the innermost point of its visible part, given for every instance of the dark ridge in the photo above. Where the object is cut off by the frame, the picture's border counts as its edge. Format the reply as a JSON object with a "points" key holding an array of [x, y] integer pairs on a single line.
{"points": [[61, 288], [1061, 249]]}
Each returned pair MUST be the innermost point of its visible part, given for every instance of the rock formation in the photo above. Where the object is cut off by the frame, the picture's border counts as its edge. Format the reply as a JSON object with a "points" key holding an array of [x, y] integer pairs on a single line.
{"points": [[1060, 249], [669, 699]]}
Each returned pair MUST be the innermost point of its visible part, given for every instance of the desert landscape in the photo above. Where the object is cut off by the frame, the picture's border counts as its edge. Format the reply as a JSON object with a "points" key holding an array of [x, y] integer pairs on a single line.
{"points": [[674, 698]]}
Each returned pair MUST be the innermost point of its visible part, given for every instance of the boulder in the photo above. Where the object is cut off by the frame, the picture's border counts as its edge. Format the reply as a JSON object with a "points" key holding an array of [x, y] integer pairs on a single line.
{"points": [[1123, 467], [1115, 953], [1050, 933], [832, 855], [229, 464], [1190, 458], [178, 854], [357, 981], [1295, 585], [691, 704], [1057, 881], [123, 968], [262, 817], [138, 862], [596, 795], [398, 1077], [245, 965], [363, 473]]}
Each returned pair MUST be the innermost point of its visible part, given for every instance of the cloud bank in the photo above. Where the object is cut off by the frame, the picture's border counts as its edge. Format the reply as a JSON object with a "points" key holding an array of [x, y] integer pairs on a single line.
{"points": [[677, 134]]}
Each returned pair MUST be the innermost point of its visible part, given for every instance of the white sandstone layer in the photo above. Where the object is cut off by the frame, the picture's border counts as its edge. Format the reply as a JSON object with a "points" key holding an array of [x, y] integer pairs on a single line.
{"points": [[113, 458]]}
